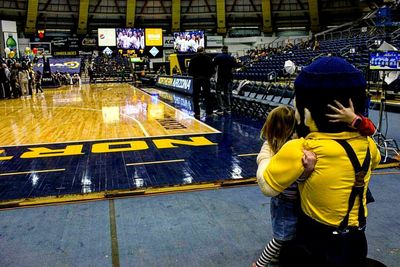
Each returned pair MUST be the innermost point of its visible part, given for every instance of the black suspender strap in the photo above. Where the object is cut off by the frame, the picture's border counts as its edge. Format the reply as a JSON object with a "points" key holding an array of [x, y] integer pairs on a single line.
{"points": [[359, 185]]}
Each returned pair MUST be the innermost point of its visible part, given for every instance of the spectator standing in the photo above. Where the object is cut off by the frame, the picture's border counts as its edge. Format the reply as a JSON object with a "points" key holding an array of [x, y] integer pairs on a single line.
{"points": [[23, 79], [77, 79], [224, 63], [201, 69], [16, 91], [4, 82], [31, 82], [38, 82]]}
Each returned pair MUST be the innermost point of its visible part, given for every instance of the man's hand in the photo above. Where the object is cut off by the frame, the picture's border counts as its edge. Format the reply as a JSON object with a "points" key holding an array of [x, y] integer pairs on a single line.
{"points": [[309, 160]]}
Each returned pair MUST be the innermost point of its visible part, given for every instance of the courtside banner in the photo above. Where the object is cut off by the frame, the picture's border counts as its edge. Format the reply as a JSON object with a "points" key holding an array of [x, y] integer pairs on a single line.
{"points": [[182, 84], [70, 65]]}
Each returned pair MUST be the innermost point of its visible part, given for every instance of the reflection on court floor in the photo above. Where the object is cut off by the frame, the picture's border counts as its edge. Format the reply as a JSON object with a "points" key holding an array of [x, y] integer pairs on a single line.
{"points": [[92, 112]]}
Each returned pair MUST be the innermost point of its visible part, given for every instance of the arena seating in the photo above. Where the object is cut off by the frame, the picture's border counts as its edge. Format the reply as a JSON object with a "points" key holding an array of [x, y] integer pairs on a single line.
{"points": [[354, 47], [257, 99], [110, 69]]}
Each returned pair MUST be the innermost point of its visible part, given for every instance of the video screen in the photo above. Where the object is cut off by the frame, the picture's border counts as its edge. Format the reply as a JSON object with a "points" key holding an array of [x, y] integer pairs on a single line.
{"points": [[188, 42], [380, 60], [130, 38]]}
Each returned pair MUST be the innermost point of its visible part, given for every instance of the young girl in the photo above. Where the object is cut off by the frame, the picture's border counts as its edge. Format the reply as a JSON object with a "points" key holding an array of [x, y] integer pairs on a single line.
{"points": [[277, 130]]}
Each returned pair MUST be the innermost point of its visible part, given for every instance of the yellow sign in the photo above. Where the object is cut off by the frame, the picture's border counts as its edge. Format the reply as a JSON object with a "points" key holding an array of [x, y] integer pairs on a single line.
{"points": [[153, 37], [166, 81]]}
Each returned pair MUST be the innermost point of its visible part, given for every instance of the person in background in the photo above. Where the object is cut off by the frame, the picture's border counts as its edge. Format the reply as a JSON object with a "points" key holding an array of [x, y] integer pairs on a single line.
{"points": [[23, 80], [14, 80], [201, 69], [224, 63], [38, 82], [77, 79], [5, 81], [31, 82], [68, 79], [161, 70], [122, 74]]}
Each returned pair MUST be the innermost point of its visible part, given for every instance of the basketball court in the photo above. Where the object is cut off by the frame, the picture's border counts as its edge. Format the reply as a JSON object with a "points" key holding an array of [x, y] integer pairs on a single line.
{"points": [[108, 140]]}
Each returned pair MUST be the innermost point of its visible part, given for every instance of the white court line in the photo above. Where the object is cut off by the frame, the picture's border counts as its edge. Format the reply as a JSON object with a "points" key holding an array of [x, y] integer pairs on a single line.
{"points": [[28, 172], [154, 162]]}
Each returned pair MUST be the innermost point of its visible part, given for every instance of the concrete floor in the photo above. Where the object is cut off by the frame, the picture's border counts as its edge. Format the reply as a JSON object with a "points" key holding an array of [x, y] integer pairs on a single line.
{"points": [[225, 227]]}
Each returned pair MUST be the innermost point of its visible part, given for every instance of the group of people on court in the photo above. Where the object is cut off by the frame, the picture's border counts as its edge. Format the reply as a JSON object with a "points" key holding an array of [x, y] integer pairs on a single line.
{"points": [[202, 67], [18, 80], [316, 164]]}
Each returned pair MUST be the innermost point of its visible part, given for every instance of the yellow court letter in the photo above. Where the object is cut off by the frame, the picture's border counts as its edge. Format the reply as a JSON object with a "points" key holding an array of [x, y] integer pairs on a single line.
{"points": [[119, 146], [44, 152], [170, 143], [4, 157]]}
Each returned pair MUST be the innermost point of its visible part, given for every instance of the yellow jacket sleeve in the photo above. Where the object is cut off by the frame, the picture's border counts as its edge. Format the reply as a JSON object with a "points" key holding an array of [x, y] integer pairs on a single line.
{"points": [[375, 154], [285, 166]]}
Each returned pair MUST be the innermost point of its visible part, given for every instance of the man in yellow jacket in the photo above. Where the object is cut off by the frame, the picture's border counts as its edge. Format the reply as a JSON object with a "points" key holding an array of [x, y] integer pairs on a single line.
{"points": [[333, 200]]}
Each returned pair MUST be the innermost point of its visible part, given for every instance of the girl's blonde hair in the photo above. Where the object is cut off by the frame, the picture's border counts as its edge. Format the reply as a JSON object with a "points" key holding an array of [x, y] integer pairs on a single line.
{"points": [[279, 127]]}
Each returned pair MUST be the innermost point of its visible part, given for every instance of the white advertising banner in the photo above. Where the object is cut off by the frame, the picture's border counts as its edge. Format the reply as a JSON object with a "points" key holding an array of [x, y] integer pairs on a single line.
{"points": [[107, 37], [215, 41], [8, 26], [168, 41]]}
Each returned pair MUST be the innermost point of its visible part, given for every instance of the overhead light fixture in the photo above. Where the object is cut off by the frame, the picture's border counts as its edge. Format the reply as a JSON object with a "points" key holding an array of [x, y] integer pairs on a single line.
{"points": [[58, 30], [291, 28], [244, 27]]}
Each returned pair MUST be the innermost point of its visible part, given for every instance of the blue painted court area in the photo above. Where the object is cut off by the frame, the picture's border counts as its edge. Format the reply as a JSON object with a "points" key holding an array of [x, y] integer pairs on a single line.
{"points": [[151, 162]]}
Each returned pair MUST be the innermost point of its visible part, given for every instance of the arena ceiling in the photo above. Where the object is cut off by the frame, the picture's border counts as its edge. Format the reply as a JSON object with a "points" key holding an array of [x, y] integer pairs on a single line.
{"points": [[194, 14]]}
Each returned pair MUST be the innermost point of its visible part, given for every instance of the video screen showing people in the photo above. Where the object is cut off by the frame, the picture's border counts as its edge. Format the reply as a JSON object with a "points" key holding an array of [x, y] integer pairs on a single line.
{"points": [[130, 38], [188, 42], [380, 60]]}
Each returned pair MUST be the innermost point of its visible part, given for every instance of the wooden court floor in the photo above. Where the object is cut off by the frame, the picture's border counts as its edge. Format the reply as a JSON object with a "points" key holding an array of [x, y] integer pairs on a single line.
{"points": [[92, 112]]}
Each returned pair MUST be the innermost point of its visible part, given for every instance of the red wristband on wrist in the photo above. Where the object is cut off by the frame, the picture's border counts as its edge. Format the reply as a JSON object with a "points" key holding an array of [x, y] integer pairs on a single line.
{"points": [[356, 122]]}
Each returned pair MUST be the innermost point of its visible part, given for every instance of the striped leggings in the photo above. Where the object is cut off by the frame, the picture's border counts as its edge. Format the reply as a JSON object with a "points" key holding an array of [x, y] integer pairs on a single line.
{"points": [[270, 251]]}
